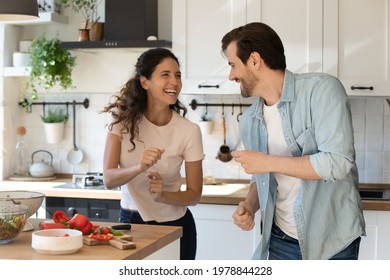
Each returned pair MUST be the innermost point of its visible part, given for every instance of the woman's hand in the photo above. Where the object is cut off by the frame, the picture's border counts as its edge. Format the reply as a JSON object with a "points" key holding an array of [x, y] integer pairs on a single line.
{"points": [[149, 157], [155, 185]]}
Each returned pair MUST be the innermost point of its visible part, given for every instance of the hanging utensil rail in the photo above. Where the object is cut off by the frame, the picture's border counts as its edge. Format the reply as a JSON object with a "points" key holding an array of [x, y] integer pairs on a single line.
{"points": [[85, 103], [194, 104]]}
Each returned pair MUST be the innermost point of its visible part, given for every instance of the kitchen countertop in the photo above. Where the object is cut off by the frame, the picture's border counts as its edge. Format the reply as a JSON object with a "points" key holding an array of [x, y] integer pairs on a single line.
{"points": [[148, 238], [229, 193]]}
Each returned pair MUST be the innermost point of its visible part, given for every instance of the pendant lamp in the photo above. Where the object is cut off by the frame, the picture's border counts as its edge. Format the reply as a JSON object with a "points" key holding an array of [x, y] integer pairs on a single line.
{"points": [[15, 10]]}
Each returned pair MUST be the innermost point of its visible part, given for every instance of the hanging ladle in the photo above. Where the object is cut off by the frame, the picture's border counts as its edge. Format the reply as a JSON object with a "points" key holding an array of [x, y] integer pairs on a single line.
{"points": [[224, 153], [75, 156]]}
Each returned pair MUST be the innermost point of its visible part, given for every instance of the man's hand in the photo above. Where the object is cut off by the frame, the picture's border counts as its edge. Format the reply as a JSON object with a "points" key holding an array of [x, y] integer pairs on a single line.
{"points": [[243, 217]]}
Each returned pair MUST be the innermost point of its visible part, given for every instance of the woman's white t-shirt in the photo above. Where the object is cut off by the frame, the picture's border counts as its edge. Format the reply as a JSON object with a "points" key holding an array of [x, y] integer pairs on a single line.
{"points": [[182, 141]]}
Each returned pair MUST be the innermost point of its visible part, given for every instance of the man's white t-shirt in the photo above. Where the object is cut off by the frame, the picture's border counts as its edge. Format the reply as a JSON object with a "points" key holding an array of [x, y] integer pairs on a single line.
{"points": [[288, 187]]}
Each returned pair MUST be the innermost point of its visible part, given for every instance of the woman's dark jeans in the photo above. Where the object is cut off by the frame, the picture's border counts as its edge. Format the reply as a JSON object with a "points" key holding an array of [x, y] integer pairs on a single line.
{"points": [[187, 241], [284, 247]]}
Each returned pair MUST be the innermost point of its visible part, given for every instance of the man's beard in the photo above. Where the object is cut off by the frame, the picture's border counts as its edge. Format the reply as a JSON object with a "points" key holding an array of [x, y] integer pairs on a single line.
{"points": [[248, 84]]}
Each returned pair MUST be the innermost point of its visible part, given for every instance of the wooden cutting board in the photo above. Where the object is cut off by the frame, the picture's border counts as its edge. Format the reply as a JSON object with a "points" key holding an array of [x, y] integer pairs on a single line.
{"points": [[122, 242], [31, 179]]}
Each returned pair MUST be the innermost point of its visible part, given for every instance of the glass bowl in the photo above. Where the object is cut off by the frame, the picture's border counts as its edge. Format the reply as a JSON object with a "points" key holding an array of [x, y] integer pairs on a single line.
{"points": [[13, 218], [33, 200]]}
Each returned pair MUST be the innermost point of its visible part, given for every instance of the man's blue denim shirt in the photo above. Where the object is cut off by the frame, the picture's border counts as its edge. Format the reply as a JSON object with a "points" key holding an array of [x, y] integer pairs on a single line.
{"points": [[316, 121]]}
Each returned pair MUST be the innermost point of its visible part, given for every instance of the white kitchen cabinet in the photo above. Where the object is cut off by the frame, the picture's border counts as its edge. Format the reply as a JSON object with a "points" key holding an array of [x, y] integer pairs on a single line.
{"points": [[376, 245], [299, 26], [219, 238], [199, 25], [197, 29], [356, 44]]}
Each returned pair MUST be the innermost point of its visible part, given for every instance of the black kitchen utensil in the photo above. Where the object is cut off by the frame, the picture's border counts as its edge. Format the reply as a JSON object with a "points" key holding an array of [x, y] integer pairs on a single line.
{"points": [[122, 227], [224, 153]]}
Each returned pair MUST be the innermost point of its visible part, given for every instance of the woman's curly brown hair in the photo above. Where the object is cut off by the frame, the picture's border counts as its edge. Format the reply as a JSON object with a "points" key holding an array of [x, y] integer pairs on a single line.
{"points": [[129, 105]]}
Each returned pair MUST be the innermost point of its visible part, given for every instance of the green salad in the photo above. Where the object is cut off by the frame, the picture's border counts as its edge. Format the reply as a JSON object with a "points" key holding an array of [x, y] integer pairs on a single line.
{"points": [[11, 225]]}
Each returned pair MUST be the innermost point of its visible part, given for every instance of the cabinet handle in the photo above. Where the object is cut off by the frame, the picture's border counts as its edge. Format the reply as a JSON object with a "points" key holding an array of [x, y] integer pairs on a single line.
{"points": [[208, 86], [370, 88]]}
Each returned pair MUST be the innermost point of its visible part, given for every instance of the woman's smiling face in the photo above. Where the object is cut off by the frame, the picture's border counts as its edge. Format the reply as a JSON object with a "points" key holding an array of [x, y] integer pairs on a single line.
{"points": [[165, 83]]}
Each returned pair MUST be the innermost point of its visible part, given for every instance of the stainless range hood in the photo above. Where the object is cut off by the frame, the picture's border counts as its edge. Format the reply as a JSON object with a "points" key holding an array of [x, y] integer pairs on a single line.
{"points": [[128, 24]]}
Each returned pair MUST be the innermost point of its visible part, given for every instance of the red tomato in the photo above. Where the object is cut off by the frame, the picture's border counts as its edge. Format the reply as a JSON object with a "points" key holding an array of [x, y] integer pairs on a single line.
{"points": [[102, 237], [105, 230], [59, 216]]}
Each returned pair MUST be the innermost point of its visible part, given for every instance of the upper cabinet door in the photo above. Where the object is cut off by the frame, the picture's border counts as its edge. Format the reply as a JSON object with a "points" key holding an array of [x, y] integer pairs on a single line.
{"points": [[198, 27], [356, 45], [299, 25]]}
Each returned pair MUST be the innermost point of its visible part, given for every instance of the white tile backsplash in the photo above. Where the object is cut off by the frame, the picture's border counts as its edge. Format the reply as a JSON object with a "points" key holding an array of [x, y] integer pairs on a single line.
{"points": [[374, 106], [374, 124]]}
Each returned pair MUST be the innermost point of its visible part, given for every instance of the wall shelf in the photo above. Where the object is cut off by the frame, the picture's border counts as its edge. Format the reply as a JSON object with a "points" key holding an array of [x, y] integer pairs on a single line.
{"points": [[17, 71]]}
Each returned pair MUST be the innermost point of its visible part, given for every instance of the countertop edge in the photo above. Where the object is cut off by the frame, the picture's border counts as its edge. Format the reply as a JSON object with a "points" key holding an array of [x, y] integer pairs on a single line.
{"points": [[47, 187]]}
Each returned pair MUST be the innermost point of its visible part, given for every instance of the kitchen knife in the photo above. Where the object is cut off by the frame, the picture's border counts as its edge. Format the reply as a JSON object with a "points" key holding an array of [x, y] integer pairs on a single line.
{"points": [[122, 227]]}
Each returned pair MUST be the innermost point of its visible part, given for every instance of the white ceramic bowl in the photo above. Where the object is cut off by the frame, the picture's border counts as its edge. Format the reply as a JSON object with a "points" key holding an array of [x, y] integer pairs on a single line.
{"points": [[57, 241], [24, 46], [21, 59]]}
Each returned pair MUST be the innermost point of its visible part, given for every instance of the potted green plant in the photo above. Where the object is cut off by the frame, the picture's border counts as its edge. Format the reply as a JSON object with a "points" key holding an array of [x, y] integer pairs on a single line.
{"points": [[206, 123], [88, 9], [50, 65], [54, 124]]}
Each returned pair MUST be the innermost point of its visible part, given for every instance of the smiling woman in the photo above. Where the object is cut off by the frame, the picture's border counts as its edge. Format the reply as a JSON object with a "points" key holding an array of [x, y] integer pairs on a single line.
{"points": [[145, 139]]}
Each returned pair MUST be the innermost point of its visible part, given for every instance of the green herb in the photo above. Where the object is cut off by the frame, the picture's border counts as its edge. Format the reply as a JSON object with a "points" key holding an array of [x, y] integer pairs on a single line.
{"points": [[56, 116], [115, 232], [50, 65], [88, 8]]}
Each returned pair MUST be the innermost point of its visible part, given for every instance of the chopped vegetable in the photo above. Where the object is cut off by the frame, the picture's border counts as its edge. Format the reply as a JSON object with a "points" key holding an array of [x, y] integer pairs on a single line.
{"points": [[116, 232], [81, 223], [59, 216], [51, 225], [11, 225], [101, 237]]}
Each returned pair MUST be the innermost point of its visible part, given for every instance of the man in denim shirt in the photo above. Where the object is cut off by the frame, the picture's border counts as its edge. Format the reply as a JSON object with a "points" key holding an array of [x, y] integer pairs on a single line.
{"points": [[299, 145]]}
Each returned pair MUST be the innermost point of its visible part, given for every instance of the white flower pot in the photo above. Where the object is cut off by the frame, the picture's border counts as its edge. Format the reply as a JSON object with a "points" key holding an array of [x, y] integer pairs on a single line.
{"points": [[54, 132], [206, 127]]}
